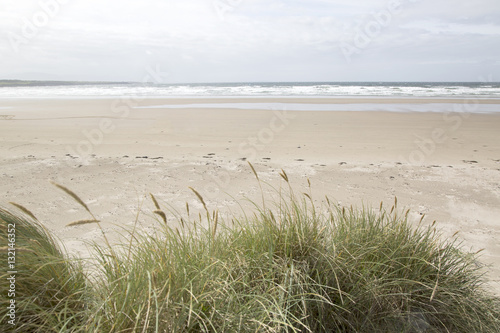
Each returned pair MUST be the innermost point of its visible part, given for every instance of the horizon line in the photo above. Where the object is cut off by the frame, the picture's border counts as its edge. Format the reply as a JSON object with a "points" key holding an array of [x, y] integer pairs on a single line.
{"points": [[27, 81]]}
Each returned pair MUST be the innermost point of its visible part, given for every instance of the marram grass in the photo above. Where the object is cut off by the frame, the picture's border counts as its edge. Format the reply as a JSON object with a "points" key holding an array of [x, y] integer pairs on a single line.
{"points": [[51, 291], [292, 266]]}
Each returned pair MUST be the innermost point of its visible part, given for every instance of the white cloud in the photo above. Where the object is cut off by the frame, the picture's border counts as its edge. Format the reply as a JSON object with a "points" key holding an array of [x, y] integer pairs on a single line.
{"points": [[440, 27], [198, 40]]}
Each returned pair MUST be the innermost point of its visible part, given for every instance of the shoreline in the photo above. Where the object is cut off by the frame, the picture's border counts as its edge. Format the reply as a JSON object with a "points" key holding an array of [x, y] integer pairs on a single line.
{"points": [[134, 104]]}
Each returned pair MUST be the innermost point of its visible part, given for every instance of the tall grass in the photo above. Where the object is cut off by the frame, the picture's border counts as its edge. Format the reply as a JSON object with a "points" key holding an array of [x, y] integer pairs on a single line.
{"points": [[292, 266], [51, 292]]}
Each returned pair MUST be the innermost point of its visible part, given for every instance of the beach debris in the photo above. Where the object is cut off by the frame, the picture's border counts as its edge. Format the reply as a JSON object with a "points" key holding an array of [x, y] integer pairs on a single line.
{"points": [[470, 161], [342, 163]]}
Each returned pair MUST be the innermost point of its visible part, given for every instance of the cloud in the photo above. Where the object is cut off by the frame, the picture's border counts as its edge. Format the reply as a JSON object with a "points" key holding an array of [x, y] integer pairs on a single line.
{"points": [[220, 40]]}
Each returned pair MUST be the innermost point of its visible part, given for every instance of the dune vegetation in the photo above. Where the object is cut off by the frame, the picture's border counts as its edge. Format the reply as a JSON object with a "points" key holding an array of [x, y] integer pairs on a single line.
{"points": [[291, 266]]}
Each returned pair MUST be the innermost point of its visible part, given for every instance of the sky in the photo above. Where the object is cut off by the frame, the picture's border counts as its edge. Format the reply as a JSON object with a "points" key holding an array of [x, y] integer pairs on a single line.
{"points": [[196, 41]]}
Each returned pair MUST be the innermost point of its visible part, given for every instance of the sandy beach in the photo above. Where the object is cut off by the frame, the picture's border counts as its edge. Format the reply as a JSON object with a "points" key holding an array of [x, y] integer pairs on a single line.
{"points": [[113, 153]]}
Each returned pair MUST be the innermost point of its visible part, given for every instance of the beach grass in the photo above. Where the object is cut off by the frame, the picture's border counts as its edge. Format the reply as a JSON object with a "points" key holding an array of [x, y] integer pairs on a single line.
{"points": [[293, 265], [51, 290]]}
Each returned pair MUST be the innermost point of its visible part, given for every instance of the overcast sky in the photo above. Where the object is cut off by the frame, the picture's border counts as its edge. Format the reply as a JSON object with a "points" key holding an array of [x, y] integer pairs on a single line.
{"points": [[173, 41]]}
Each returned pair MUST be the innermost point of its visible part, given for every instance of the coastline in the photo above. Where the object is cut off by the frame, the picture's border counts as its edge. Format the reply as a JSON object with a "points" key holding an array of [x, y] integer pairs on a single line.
{"points": [[443, 165]]}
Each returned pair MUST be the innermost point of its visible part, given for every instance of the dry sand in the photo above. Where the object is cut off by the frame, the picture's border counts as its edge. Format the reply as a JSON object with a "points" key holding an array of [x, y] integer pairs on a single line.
{"points": [[443, 165]]}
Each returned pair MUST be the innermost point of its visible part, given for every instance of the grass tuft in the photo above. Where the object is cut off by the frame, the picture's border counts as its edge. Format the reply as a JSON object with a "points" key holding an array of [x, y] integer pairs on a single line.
{"points": [[158, 210], [292, 266], [161, 214], [74, 196], [82, 222], [198, 195], [51, 291], [24, 210]]}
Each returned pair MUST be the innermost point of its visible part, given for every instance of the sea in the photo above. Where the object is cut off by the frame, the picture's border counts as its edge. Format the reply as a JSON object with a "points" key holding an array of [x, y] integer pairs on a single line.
{"points": [[51, 89], [471, 91]]}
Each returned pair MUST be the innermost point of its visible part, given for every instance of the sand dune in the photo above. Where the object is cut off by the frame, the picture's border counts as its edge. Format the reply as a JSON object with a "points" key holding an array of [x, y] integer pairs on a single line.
{"points": [[443, 165]]}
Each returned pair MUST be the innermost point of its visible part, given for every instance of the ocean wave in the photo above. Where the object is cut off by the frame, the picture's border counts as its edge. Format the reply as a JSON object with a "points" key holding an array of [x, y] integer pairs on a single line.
{"points": [[490, 90]]}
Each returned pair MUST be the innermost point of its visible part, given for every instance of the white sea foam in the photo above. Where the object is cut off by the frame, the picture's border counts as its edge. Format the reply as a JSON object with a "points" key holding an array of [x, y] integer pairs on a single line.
{"points": [[257, 90]]}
